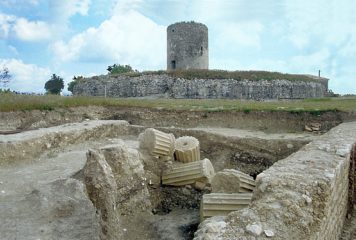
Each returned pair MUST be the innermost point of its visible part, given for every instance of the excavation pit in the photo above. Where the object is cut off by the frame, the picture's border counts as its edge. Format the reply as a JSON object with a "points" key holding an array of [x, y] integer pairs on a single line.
{"points": [[43, 182]]}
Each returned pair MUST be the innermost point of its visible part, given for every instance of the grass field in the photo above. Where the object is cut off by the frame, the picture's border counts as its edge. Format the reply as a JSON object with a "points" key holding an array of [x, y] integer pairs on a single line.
{"points": [[12, 102]]}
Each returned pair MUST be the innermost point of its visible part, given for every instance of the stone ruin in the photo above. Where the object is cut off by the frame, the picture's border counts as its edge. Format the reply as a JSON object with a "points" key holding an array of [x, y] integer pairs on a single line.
{"points": [[231, 189], [117, 184]]}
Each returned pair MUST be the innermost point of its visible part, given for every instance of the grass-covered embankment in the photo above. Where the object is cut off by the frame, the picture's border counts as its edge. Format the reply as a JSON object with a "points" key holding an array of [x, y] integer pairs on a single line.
{"points": [[223, 74], [12, 102]]}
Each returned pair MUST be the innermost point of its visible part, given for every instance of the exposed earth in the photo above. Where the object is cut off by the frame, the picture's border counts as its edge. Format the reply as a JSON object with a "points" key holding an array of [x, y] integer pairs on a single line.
{"points": [[43, 192]]}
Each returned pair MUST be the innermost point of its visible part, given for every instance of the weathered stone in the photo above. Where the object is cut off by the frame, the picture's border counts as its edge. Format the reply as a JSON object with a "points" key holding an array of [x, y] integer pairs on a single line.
{"points": [[221, 204], [127, 168], [211, 229], [187, 46], [304, 196], [254, 228], [187, 149], [56, 210], [189, 173], [157, 143], [269, 233], [308, 129], [167, 86], [102, 190], [35, 141], [232, 181]]}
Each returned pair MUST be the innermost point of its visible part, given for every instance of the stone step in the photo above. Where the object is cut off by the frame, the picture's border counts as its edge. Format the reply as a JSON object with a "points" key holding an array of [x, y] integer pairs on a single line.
{"points": [[221, 204], [187, 149], [157, 143], [184, 174]]}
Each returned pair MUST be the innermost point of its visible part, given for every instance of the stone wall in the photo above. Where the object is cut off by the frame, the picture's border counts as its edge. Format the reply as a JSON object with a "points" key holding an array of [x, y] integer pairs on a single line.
{"points": [[30, 144], [301, 197], [169, 87]]}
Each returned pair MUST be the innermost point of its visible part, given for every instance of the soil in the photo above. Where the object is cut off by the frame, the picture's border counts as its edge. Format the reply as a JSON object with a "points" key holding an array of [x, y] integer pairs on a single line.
{"points": [[226, 138], [255, 120]]}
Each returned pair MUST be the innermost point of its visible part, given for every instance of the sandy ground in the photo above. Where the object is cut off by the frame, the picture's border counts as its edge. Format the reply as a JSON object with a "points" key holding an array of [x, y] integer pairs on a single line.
{"points": [[242, 133]]}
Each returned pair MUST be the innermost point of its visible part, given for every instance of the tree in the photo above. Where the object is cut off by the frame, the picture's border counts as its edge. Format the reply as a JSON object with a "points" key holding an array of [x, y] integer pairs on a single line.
{"points": [[5, 77], [54, 85], [118, 69], [75, 81]]}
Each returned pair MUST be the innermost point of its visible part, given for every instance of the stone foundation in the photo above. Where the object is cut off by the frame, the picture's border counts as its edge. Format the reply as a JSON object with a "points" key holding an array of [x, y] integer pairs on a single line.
{"points": [[301, 197]]}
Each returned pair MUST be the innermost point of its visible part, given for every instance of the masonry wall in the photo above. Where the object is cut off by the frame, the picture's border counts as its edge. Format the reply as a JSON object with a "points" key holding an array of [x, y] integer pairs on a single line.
{"points": [[304, 196], [169, 87], [187, 46]]}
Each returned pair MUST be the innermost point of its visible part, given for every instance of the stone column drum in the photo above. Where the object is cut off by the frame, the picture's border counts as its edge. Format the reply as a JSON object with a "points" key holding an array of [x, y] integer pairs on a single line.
{"points": [[232, 181], [221, 204], [157, 143], [187, 149], [189, 173], [247, 183]]}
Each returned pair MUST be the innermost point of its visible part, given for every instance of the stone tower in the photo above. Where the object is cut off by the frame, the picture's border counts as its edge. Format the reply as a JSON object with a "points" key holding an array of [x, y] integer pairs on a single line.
{"points": [[187, 46]]}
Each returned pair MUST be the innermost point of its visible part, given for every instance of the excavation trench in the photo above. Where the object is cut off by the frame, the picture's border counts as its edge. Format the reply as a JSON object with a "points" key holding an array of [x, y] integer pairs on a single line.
{"points": [[48, 176]]}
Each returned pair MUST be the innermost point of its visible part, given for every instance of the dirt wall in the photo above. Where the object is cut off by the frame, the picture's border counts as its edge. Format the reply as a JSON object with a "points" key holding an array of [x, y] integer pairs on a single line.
{"points": [[256, 120]]}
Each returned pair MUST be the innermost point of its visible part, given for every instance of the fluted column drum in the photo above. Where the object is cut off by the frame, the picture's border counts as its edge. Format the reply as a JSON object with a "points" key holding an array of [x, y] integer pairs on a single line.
{"points": [[187, 149]]}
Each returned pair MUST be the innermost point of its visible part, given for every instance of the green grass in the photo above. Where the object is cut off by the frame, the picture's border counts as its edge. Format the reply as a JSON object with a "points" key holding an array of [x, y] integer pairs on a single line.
{"points": [[222, 74], [11, 102]]}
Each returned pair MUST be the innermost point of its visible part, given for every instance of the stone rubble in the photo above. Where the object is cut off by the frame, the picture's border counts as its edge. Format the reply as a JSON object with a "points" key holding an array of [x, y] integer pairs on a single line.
{"points": [[313, 127]]}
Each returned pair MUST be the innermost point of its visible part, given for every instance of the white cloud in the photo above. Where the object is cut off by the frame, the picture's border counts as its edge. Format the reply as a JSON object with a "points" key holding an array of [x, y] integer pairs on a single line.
{"points": [[314, 21], [122, 6], [31, 30], [55, 26], [26, 77], [127, 37], [24, 29], [6, 23], [311, 62], [63, 10], [241, 34]]}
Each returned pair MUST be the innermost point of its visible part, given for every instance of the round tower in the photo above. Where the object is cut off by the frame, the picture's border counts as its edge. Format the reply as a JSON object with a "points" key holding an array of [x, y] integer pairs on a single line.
{"points": [[187, 46]]}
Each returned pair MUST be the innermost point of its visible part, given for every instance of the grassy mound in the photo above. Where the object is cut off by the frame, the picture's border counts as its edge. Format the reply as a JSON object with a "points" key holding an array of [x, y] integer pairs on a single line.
{"points": [[222, 74]]}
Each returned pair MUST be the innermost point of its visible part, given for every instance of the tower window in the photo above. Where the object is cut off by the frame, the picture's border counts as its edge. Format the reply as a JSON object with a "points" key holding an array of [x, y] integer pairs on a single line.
{"points": [[173, 64], [201, 51]]}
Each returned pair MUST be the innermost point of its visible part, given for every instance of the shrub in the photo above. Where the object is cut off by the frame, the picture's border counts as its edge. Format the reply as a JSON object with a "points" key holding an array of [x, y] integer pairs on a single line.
{"points": [[54, 85], [118, 69], [75, 81]]}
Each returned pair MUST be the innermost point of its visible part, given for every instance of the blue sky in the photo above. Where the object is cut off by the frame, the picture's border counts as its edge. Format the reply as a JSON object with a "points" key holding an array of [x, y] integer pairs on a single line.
{"points": [[82, 37]]}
